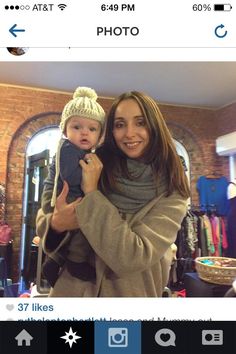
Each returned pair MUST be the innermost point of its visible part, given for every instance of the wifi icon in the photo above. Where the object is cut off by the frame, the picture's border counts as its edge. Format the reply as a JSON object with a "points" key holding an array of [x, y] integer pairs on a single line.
{"points": [[62, 6]]}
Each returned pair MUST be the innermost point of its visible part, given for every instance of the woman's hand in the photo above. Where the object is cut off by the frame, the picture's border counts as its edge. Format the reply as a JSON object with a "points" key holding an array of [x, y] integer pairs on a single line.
{"points": [[64, 217], [91, 171]]}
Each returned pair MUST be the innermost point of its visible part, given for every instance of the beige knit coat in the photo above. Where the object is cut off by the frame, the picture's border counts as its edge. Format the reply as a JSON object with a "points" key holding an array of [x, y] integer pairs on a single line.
{"points": [[132, 253]]}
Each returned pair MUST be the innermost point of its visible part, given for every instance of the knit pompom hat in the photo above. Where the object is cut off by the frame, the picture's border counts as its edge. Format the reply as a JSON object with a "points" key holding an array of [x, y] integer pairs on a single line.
{"points": [[83, 104]]}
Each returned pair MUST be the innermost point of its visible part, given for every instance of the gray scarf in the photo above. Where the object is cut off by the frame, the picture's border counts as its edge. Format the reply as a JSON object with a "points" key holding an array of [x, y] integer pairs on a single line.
{"points": [[132, 194]]}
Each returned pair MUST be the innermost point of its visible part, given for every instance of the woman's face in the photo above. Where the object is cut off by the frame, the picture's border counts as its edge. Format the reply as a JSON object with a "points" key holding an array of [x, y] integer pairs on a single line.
{"points": [[130, 129]]}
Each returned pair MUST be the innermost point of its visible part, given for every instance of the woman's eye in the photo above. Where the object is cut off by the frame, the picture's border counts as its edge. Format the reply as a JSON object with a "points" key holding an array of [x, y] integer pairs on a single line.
{"points": [[119, 125], [141, 123]]}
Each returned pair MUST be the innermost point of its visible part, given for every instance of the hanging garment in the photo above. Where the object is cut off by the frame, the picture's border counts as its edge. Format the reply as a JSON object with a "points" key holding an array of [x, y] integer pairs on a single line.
{"points": [[213, 194], [202, 238], [191, 231], [223, 237], [5, 233], [208, 235], [215, 228], [231, 228]]}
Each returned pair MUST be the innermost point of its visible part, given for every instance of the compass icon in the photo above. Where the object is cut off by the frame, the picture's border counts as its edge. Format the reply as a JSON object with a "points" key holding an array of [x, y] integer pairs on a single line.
{"points": [[70, 337]]}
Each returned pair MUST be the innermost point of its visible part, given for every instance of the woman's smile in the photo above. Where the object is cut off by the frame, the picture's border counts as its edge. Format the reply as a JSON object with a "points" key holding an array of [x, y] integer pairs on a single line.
{"points": [[132, 145]]}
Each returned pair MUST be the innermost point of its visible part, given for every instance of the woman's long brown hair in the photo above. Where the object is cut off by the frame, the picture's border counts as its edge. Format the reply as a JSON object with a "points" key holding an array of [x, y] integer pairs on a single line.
{"points": [[160, 152]]}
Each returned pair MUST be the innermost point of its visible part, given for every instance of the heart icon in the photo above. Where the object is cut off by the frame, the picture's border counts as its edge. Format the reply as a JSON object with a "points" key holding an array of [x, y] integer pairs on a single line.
{"points": [[165, 337], [10, 307]]}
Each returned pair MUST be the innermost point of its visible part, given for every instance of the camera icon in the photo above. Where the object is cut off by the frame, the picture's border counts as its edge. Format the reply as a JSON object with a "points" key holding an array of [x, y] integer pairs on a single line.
{"points": [[118, 337]]}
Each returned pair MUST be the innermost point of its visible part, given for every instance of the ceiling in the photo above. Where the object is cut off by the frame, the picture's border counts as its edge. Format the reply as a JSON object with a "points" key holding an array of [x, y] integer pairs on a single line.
{"points": [[207, 84]]}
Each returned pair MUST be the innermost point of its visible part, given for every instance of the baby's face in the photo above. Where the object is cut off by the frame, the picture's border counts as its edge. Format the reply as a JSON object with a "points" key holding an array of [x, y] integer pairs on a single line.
{"points": [[83, 132]]}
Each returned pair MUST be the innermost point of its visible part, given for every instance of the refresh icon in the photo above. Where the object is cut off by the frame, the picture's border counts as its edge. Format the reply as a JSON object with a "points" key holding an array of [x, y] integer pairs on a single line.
{"points": [[219, 31]]}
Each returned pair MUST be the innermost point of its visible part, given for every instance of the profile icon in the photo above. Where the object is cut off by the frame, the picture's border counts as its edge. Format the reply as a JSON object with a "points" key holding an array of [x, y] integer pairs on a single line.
{"points": [[17, 50]]}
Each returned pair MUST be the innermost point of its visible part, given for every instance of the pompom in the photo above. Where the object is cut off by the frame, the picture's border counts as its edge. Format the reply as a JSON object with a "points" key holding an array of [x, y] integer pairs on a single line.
{"points": [[85, 92]]}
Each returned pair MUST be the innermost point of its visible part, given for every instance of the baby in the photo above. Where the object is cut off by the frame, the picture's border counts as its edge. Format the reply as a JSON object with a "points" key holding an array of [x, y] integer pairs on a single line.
{"points": [[82, 124]]}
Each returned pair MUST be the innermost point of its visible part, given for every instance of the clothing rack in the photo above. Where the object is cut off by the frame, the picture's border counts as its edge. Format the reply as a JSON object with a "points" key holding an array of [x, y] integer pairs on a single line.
{"points": [[202, 233], [200, 206], [207, 209]]}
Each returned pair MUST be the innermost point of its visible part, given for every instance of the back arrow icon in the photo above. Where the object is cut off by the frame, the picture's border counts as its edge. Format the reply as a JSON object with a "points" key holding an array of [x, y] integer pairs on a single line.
{"points": [[13, 29]]}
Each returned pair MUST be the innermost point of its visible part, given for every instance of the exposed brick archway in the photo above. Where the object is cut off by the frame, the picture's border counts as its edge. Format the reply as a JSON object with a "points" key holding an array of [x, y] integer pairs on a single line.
{"points": [[15, 187], [196, 155]]}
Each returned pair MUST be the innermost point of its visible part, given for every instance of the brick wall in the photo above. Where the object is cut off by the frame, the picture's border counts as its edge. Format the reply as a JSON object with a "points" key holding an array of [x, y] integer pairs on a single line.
{"points": [[197, 129], [25, 111], [226, 118]]}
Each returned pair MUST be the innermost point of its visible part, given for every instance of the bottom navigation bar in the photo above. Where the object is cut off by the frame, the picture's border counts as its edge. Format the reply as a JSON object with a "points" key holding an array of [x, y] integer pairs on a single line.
{"points": [[118, 337]]}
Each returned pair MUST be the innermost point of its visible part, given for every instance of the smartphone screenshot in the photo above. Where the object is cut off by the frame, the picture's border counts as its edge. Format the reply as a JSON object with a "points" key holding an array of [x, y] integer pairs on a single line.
{"points": [[117, 177]]}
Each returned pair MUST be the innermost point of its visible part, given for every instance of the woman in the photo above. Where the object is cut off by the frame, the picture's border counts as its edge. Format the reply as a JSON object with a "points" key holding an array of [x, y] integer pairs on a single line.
{"points": [[131, 220]]}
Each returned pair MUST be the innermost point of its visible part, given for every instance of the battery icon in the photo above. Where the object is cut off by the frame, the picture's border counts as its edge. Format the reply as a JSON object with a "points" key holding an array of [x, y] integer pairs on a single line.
{"points": [[222, 7]]}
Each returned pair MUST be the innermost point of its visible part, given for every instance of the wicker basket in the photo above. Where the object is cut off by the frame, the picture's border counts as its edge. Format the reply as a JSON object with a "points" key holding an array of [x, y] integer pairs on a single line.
{"points": [[216, 274]]}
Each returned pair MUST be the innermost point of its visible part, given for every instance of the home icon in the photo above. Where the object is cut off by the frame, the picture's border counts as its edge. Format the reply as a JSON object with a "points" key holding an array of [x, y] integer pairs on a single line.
{"points": [[23, 338]]}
